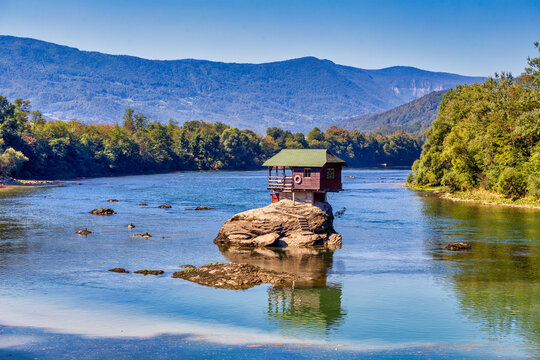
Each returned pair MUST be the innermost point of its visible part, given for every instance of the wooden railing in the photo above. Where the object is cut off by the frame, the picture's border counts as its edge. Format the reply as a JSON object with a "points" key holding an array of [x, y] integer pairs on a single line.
{"points": [[280, 183]]}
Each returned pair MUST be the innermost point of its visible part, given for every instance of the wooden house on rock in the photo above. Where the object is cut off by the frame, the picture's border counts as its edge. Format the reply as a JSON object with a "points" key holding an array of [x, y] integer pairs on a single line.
{"points": [[304, 175]]}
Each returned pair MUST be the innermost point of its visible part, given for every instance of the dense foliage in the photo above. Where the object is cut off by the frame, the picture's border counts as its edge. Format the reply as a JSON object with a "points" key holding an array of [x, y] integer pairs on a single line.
{"points": [[31, 147], [486, 136]]}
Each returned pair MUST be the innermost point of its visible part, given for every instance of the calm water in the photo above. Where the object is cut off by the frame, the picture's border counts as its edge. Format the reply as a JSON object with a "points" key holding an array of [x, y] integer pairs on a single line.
{"points": [[390, 292]]}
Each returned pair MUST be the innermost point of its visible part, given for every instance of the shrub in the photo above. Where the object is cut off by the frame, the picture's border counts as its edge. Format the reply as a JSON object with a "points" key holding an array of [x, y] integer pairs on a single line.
{"points": [[533, 185], [512, 183], [11, 161]]}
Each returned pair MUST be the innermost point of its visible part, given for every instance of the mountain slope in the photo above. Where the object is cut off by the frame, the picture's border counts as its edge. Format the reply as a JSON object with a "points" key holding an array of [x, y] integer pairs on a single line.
{"points": [[414, 117], [295, 94]]}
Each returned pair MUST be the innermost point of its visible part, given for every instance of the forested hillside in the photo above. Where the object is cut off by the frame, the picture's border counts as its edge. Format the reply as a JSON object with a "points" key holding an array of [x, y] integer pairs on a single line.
{"points": [[66, 83], [486, 137], [414, 117], [31, 147]]}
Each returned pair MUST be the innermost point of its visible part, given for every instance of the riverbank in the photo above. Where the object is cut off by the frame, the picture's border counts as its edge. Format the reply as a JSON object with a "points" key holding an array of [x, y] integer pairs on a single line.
{"points": [[478, 196], [7, 183]]}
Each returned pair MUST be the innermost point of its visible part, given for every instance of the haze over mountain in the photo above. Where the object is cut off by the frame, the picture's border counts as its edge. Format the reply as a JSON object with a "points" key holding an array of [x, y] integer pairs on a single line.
{"points": [[414, 117], [64, 83]]}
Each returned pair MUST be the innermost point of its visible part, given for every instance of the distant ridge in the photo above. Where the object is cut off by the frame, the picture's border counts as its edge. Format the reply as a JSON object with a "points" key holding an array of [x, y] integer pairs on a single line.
{"points": [[296, 94], [414, 117]]}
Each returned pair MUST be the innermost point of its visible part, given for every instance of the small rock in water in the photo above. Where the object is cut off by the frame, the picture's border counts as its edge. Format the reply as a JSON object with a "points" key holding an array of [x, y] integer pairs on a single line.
{"points": [[340, 213], [149, 272], [131, 226], [143, 204], [200, 208], [112, 200], [119, 270], [84, 232], [145, 235], [165, 206], [456, 246], [350, 176], [103, 211]]}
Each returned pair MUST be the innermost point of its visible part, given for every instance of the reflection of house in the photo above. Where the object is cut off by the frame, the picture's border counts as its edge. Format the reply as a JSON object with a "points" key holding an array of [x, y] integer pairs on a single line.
{"points": [[314, 310], [304, 174], [311, 304]]}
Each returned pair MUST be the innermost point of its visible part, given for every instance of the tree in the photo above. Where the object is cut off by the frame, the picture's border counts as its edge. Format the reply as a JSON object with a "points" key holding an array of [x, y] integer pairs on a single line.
{"points": [[11, 161]]}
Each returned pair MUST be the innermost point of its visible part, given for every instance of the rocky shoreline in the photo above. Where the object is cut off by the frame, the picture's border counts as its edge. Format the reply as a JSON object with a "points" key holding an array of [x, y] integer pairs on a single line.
{"points": [[6, 181]]}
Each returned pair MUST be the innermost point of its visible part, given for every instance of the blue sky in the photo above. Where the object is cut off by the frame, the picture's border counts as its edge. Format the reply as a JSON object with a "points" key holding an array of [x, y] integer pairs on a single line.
{"points": [[468, 37]]}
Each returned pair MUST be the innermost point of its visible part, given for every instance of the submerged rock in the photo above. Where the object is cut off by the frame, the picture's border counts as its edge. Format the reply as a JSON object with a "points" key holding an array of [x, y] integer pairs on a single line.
{"points": [[145, 235], [103, 211], [84, 232], [112, 200], [165, 206], [149, 272], [119, 270], [233, 276], [457, 246], [282, 224], [199, 208], [131, 226], [143, 204]]}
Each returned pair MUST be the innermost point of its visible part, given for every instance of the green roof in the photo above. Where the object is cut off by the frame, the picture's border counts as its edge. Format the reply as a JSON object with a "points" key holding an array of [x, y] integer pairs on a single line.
{"points": [[304, 158]]}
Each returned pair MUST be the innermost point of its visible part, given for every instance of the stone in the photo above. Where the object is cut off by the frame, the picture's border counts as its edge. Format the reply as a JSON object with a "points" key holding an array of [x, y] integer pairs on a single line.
{"points": [[145, 235], [131, 226], [233, 276], [84, 232], [112, 200], [119, 270], [143, 204], [103, 211], [165, 206], [282, 224], [457, 246], [200, 208], [149, 272]]}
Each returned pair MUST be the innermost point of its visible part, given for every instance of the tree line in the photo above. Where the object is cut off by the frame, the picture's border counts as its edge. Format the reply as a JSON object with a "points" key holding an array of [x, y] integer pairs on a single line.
{"points": [[486, 136], [31, 147]]}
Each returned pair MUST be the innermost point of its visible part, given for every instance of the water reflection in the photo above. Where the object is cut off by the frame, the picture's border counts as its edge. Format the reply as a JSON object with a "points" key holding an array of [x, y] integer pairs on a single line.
{"points": [[312, 305], [497, 283]]}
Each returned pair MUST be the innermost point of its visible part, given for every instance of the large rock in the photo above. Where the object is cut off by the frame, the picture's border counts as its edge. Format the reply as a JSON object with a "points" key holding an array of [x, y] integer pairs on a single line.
{"points": [[282, 224]]}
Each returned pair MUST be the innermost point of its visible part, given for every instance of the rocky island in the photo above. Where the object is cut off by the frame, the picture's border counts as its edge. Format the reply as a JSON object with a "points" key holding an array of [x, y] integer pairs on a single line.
{"points": [[282, 224]]}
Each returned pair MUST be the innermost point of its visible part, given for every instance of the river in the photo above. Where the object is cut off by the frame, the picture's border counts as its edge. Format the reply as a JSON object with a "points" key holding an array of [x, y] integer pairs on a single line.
{"points": [[391, 291]]}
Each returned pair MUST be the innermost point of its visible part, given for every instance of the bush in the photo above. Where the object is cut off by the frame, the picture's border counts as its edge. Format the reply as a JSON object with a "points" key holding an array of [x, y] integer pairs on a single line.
{"points": [[11, 161], [512, 183], [451, 181], [533, 186]]}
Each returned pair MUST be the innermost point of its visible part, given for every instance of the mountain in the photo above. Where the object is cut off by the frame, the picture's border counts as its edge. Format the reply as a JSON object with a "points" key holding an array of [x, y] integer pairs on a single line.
{"points": [[414, 117], [64, 82]]}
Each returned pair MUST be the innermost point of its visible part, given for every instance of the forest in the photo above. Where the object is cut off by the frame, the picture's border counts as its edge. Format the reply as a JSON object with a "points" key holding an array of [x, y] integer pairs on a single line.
{"points": [[486, 137], [34, 148]]}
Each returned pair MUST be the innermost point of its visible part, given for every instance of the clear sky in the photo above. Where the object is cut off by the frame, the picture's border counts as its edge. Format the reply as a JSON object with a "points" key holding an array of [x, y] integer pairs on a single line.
{"points": [[470, 37]]}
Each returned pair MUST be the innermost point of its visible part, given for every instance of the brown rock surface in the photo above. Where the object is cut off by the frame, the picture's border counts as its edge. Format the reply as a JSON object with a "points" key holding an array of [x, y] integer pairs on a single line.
{"points": [[165, 206], [119, 270], [199, 208], [233, 276], [282, 224], [103, 211], [84, 232], [149, 272], [457, 246]]}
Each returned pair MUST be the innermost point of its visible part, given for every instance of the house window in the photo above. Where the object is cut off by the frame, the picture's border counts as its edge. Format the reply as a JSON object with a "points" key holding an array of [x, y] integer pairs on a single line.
{"points": [[307, 172], [330, 174]]}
